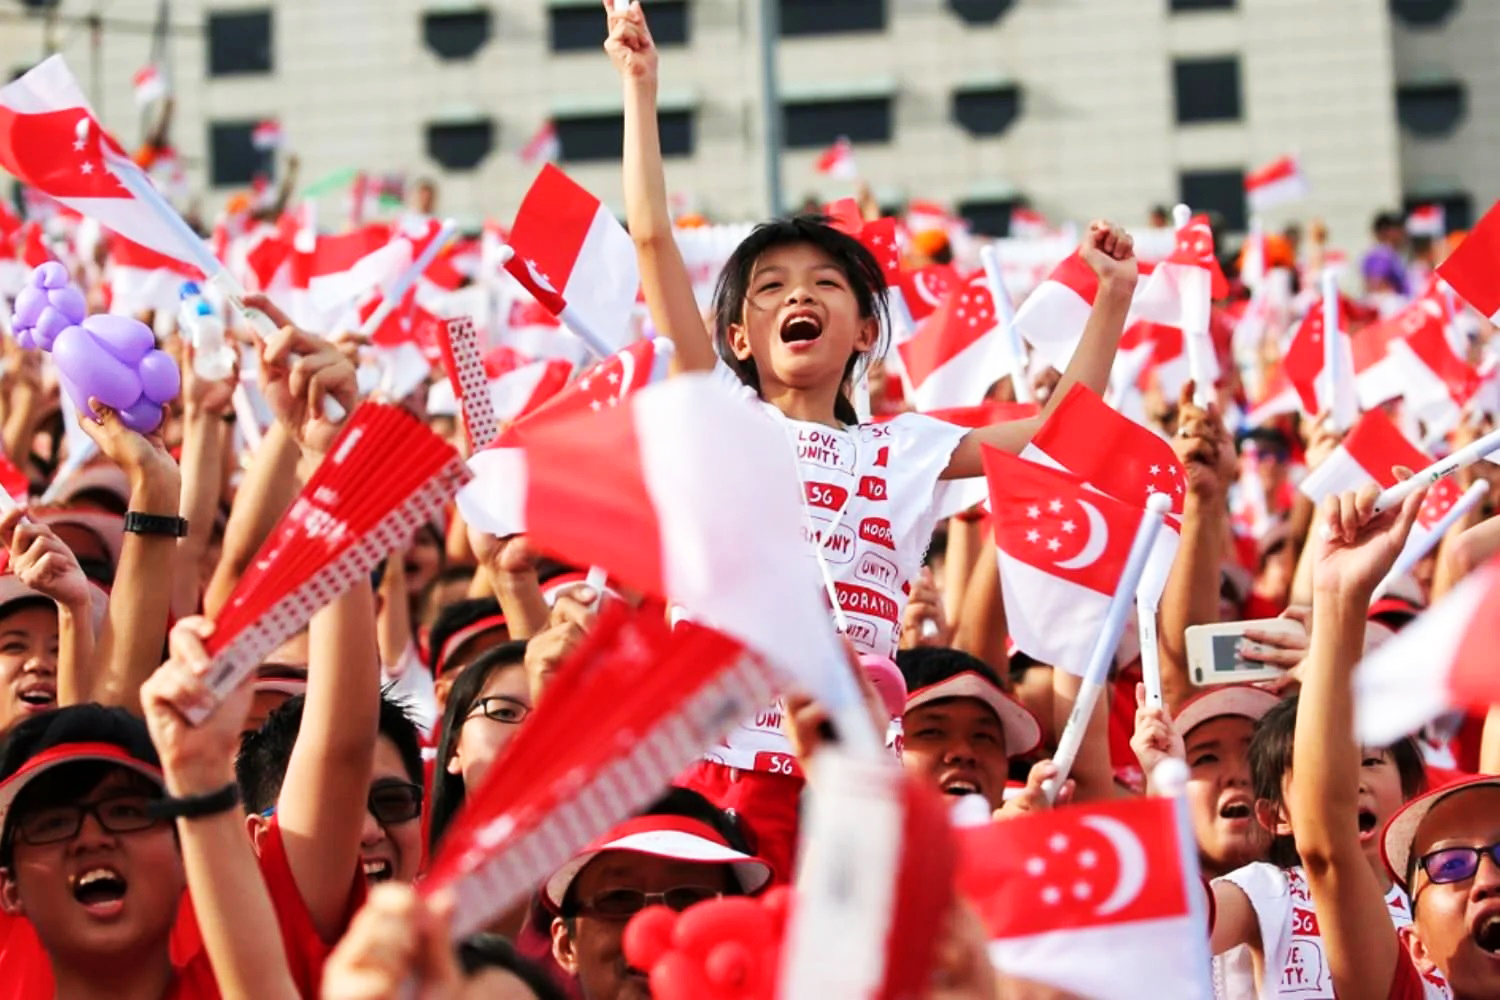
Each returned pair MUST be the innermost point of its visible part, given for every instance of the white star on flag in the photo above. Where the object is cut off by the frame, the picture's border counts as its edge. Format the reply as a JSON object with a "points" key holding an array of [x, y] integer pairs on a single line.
{"points": [[1033, 536], [1033, 512], [1055, 506], [1068, 527], [1053, 545]]}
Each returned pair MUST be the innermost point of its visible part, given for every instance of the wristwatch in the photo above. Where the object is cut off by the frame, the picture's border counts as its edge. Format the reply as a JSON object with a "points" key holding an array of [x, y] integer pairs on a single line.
{"points": [[155, 524]]}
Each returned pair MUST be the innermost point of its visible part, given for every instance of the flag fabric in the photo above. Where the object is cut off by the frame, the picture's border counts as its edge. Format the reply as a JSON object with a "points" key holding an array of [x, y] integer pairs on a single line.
{"points": [[543, 147], [1473, 268], [1052, 317], [1427, 220], [32, 245], [1409, 356], [523, 390], [1305, 356], [1276, 183], [837, 161], [927, 288], [1094, 900], [957, 352], [1062, 550], [877, 235], [266, 135], [50, 140], [150, 85], [141, 279], [1150, 350], [1028, 224], [1366, 455], [575, 258], [1180, 290], [340, 268], [1444, 660]]}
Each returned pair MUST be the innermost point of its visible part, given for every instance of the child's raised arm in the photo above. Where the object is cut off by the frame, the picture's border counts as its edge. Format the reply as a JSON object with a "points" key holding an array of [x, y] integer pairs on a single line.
{"points": [[1358, 936], [664, 277]]}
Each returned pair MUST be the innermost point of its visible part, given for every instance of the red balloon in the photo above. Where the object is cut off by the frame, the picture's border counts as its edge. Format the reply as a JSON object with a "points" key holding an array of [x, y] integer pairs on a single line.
{"points": [[732, 968], [678, 976], [733, 918], [648, 936]]}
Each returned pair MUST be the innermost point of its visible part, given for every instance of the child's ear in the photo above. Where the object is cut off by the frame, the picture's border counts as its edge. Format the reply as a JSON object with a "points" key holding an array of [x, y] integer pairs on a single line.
{"points": [[739, 341], [869, 333], [10, 894], [1272, 818]]}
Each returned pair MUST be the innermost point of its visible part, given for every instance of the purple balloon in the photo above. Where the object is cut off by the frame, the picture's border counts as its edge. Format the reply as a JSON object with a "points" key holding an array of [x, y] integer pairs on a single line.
{"points": [[95, 371], [69, 301], [125, 337], [160, 379], [50, 275], [76, 396], [29, 306], [48, 325], [143, 416]]}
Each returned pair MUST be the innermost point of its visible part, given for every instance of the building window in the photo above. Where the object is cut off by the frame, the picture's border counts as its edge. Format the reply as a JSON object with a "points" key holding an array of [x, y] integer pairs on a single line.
{"points": [[239, 42], [1430, 109], [460, 145], [456, 34], [586, 138], [582, 27], [813, 124], [827, 17], [980, 11], [987, 110], [1183, 6], [232, 156], [1457, 206], [1220, 193], [1207, 90], [1423, 13], [989, 216]]}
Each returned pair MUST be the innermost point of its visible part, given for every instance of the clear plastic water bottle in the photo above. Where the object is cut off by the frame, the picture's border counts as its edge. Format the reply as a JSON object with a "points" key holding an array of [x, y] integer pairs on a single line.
{"points": [[212, 358]]}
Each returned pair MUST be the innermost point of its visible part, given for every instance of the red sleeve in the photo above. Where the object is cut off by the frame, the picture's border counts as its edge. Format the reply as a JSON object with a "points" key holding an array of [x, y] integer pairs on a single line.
{"points": [[305, 950], [1407, 983], [766, 804]]}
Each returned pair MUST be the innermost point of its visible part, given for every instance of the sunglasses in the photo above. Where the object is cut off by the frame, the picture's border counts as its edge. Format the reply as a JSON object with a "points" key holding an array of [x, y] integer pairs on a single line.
{"points": [[117, 814], [1455, 864], [620, 904], [390, 802], [500, 708]]}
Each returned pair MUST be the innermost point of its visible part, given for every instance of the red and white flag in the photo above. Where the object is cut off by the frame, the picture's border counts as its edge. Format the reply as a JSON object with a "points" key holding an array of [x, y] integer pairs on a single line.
{"points": [[1276, 183], [1094, 900], [1180, 290], [957, 352], [1409, 356], [1367, 455], [1151, 350], [267, 135], [575, 258], [1028, 224], [1062, 549], [141, 279], [877, 235], [1473, 268], [837, 161], [150, 85], [543, 147], [927, 288], [1442, 661], [1052, 317], [1304, 361], [51, 141], [339, 269], [1427, 220]]}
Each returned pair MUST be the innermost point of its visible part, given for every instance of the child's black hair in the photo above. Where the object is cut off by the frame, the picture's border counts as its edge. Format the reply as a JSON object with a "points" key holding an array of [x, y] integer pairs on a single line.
{"points": [[858, 265], [1271, 759]]}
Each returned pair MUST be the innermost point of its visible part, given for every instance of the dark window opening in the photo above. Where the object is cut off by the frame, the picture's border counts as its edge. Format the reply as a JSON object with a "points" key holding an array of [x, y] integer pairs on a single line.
{"points": [[1220, 193], [232, 157], [987, 110], [1207, 90], [239, 42], [460, 145], [582, 28], [1430, 108], [989, 216], [980, 11], [586, 138], [1186, 6], [826, 17], [1423, 13], [456, 34], [813, 124]]}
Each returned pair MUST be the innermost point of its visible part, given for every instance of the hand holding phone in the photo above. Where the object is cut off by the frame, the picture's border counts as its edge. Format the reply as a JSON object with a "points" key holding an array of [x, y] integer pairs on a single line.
{"points": [[1244, 651]]}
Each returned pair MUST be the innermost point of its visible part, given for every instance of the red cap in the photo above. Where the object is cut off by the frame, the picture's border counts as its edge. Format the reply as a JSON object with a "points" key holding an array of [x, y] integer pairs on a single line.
{"points": [[70, 753]]}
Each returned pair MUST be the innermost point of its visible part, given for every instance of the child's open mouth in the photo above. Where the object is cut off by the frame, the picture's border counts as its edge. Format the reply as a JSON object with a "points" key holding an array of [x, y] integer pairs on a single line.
{"points": [[801, 328]]}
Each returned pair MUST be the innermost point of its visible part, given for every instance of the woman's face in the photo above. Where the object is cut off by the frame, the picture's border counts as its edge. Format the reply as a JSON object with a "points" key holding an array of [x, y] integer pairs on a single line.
{"points": [[28, 663], [801, 321], [1220, 801], [492, 721]]}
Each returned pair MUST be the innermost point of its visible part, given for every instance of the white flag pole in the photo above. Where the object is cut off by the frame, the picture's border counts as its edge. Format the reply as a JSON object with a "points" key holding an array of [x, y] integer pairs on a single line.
{"points": [[1465, 456], [1006, 314], [1145, 616], [1102, 655], [1418, 546], [391, 297]]}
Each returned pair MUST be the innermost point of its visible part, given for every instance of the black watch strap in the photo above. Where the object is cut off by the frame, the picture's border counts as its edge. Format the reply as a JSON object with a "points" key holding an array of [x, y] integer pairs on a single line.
{"points": [[155, 524], [194, 806]]}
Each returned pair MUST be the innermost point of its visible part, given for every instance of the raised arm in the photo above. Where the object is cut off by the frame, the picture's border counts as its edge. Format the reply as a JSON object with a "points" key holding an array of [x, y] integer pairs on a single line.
{"points": [[1110, 252], [267, 490], [204, 440], [46, 565], [1358, 936], [664, 277]]}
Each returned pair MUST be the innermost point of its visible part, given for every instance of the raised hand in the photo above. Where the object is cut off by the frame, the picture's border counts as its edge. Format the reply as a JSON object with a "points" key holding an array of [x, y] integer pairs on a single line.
{"points": [[1204, 446], [1155, 738], [205, 396], [1033, 798], [923, 622], [629, 44], [572, 617], [44, 562], [1110, 252], [196, 760], [299, 373], [1358, 545], [140, 455]]}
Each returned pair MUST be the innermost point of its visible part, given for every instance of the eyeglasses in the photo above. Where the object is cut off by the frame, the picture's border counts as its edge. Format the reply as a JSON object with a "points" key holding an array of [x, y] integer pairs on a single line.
{"points": [[501, 709], [118, 814], [620, 904], [390, 802], [1455, 864]]}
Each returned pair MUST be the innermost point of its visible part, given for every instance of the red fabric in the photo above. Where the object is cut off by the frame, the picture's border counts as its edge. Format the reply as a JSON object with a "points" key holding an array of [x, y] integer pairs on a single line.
{"points": [[1407, 983], [26, 970], [766, 805]]}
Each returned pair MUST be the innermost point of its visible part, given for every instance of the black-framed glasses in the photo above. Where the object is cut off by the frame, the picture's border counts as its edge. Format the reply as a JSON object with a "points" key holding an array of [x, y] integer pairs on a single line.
{"points": [[393, 802], [116, 814], [500, 708], [621, 904], [1455, 864]]}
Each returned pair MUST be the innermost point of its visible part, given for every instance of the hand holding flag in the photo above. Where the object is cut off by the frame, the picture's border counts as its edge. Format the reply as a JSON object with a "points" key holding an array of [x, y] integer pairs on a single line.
{"points": [[308, 382]]}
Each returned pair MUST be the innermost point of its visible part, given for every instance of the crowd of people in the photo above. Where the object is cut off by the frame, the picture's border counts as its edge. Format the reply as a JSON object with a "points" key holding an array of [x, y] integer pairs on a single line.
{"points": [[159, 841]]}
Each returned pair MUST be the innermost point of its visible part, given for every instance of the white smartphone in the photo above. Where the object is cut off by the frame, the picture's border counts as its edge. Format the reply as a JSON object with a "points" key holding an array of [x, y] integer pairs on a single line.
{"points": [[1213, 651]]}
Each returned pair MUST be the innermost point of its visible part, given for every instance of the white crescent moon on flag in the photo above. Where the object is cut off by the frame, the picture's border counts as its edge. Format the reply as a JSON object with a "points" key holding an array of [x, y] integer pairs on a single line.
{"points": [[1127, 847], [539, 277], [1098, 539], [627, 373], [919, 281]]}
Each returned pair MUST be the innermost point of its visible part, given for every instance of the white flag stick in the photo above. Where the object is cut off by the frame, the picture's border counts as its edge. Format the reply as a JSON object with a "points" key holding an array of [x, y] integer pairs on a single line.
{"points": [[1181, 215], [1145, 616], [1341, 404], [1006, 314], [1100, 657], [391, 297], [1419, 546], [595, 581], [1467, 455]]}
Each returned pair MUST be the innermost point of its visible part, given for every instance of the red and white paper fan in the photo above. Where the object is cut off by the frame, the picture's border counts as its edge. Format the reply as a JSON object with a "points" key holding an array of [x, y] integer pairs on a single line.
{"points": [[464, 363], [633, 706], [386, 475]]}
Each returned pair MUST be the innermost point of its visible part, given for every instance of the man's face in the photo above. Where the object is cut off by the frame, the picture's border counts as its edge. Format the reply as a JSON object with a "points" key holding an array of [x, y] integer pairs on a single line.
{"points": [[592, 950], [959, 745], [390, 850], [96, 893], [1457, 926]]}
